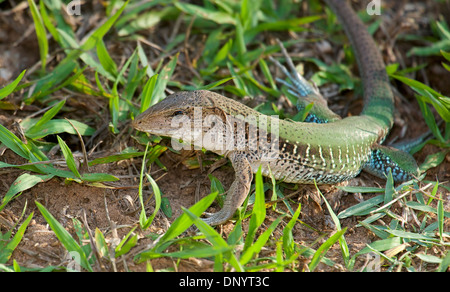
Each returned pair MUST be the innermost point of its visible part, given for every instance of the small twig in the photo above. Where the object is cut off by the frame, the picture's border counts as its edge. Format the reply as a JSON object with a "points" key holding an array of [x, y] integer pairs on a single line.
{"points": [[115, 241], [91, 241]]}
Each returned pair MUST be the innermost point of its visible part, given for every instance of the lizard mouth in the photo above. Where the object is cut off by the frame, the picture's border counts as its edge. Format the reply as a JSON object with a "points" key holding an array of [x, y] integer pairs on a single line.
{"points": [[143, 122], [137, 124]]}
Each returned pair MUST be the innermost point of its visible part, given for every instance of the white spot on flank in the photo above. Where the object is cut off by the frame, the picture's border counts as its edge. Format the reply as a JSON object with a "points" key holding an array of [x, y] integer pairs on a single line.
{"points": [[324, 163]]}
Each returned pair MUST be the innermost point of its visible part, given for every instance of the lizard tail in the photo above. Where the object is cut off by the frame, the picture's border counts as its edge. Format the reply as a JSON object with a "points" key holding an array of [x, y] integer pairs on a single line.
{"points": [[378, 97]]}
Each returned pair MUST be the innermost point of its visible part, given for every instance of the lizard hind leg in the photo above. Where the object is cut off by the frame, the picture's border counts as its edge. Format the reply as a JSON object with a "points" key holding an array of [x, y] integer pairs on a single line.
{"points": [[396, 157], [238, 191], [384, 159], [305, 92]]}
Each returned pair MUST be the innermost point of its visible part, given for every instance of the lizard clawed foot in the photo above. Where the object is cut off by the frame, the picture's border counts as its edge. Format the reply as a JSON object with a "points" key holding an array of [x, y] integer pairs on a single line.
{"points": [[218, 218], [300, 86], [238, 191], [306, 92]]}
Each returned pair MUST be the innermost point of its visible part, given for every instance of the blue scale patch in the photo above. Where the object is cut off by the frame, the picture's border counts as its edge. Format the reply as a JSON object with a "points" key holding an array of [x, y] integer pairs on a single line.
{"points": [[310, 118], [380, 164]]}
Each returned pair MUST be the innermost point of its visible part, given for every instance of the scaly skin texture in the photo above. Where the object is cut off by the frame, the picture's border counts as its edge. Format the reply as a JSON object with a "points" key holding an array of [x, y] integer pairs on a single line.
{"points": [[295, 152], [378, 97]]}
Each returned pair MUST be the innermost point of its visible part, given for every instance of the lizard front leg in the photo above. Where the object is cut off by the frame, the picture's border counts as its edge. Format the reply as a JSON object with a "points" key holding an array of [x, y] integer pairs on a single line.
{"points": [[238, 191]]}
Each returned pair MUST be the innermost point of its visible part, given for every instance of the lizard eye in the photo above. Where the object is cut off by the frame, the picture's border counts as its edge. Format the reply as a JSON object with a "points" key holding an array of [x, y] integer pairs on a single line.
{"points": [[177, 113]]}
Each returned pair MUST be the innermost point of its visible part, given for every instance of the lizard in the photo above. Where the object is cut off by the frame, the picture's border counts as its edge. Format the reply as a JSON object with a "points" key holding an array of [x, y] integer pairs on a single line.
{"points": [[325, 148]]}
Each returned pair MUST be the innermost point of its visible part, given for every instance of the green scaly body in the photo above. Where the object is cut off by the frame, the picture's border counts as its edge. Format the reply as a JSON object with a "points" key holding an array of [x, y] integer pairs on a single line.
{"points": [[331, 151]]}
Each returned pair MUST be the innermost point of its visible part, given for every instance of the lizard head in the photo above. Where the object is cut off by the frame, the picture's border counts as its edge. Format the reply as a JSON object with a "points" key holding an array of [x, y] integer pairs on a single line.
{"points": [[178, 111]]}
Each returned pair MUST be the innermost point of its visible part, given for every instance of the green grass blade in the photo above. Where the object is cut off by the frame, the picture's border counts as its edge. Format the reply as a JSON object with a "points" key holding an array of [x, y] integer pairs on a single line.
{"points": [[12, 142], [24, 167], [16, 266], [259, 243], [184, 221], [120, 76], [100, 32], [144, 21], [352, 189], [8, 89], [143, 220], [147, 93], [47, 116], [322, 250], [440, 217], [259, 210], [98, 177], [126, 243], [70, 161], [222, 53], [429, 119], [381, 245], [57, 76], [446, 55], [40, 33], [48, 23], [157, 194], [7, 251], [240, 43], [4, 268], [64, 237], [342, 241], [259, 207], [424, 208], [56, 14], [389, 190], [67, 65], [22, 183], [361, 208], [57, 126], [191, 252], [200, 252], [206, 13], [410, 235], [87, 58], [235, 236], [216, 186], [142, 216], [433, 160], [135, 77], [445, 263], [294, 24], [267, 74], [114, 158], [288, 239], [427, 94], [330, 210], [114, 110], [163, 79], [214, 84], [215, 238], [105, 59], [144, 60], [100, 243]]}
